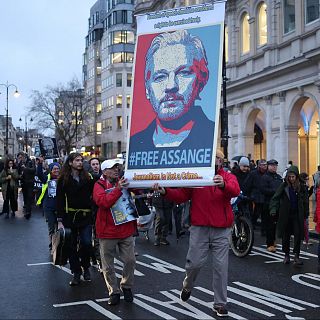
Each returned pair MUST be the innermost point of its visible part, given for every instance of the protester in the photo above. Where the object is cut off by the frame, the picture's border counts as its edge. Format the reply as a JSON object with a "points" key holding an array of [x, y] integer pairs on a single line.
{"points": [[316, 180], [242, 172], [74, 206], [112, 236], [290, 163], [269, 184], [96, 173], [9, 178], [317, 221], [304, 179], [163, 216], [48, 195], [291, 202], [211, 221], [253, 190], [94, 169], [26, 170]]}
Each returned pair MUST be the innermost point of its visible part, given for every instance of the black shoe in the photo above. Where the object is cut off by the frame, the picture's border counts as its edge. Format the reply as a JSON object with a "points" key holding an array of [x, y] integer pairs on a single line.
{"points": [[86, 275], [13, 214], [156, 243], [286, 259], [185, 294], [114, 299], [75, 280], [27, 216], [127, 294], [221, 311], [297, 261], [7, 215], [164, 242]]}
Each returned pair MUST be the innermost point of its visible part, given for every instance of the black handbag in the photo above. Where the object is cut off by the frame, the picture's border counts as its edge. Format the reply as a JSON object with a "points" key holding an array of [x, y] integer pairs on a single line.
{"points": [[61, 241], [142, 208]]}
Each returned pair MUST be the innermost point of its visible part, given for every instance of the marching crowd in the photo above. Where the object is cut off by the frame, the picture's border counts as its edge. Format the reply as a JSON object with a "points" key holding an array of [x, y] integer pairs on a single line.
{"points": [[79, 196]]}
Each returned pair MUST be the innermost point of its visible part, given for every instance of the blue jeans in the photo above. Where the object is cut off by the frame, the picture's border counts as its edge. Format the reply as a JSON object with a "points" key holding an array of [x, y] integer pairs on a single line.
{"points": [[80, 258]]}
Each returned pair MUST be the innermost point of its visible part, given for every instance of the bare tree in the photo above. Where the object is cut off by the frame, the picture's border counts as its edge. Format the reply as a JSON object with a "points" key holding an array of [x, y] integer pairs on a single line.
{"points": [[61, 109]]}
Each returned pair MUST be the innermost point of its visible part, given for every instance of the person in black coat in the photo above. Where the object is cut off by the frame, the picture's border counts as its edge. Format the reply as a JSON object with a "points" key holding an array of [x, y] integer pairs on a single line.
{"points": [[269, 184], [253, 190], [74, 211]]}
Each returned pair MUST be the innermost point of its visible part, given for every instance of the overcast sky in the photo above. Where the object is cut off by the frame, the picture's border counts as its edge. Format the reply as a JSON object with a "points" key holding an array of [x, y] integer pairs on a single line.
{"points": [[41, 43]]}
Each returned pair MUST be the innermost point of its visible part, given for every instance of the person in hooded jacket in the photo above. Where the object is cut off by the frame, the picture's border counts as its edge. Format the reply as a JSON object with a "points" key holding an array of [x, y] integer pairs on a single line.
{"points": [[48, 195], [211, 221], [291, 202]]}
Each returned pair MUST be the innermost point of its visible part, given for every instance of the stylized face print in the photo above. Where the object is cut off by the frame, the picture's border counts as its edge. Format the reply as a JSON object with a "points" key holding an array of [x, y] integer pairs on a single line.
{"points": [[172, 86]]}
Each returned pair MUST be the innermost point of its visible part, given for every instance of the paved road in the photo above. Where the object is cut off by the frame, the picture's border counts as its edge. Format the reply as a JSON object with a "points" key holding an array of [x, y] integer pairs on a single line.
{"points": [[260, 286]]}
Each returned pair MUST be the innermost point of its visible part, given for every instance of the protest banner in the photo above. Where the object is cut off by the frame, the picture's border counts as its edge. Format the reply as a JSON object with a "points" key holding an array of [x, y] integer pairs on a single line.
{"points": [[176, 97]]}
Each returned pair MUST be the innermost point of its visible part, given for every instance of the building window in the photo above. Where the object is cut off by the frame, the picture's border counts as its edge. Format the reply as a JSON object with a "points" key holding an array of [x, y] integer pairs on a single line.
{"points": [[122, 36], [128, 101], [109, 124], [289, 16], [122, 57], [98, 107], [119, 79], [99, 127], [262, 24], [129, 79], [119, 101], [109, 149], [119, 147], [311, 10], [245, 34], [119, 122], [226, 42]]}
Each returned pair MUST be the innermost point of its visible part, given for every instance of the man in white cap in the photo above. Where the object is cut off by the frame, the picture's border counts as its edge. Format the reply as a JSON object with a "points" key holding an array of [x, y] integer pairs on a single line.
{"points": [[107, 191]]}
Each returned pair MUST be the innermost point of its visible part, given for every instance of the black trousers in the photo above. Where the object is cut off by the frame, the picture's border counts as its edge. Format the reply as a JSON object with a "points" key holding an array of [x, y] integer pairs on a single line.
{"points": [[270, 225], [10, 198], [292, 228], [28, 197], [163, 217]]}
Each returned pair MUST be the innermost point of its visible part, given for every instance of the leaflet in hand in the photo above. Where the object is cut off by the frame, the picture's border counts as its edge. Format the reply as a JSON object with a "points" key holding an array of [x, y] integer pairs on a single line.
{"points": [[124, 209]]}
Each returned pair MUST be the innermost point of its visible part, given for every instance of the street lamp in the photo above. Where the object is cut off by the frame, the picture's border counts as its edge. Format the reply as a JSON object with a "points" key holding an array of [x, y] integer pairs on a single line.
{"points": [[16, 94], [26, 131]]}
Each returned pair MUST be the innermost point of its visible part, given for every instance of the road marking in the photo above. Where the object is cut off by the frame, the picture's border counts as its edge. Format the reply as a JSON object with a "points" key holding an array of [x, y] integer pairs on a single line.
{"points": [[312, 276], [91, 304]]}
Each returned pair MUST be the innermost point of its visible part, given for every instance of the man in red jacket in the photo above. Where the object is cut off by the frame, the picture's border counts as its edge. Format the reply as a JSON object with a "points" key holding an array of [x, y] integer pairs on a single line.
{"points": [[211, 220], [107, 191]]}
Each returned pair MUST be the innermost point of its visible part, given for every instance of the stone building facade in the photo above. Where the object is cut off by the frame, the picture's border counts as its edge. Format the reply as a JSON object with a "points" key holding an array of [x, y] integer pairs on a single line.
{"points": [[273, 70], [107, 75]]}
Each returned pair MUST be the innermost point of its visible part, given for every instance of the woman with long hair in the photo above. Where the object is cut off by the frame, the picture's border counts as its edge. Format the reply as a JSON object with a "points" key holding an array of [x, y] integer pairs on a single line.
{"points": [[9, 179], [74, 211], [291, 202]]}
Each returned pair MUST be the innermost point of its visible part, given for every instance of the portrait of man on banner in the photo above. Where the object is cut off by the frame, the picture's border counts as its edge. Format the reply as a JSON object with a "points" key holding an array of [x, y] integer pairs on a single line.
{"points": [[181, 123]]}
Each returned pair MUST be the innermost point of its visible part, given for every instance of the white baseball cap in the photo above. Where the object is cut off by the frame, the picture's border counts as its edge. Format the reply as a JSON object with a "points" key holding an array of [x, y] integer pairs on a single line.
{"points": [[108, 164]]}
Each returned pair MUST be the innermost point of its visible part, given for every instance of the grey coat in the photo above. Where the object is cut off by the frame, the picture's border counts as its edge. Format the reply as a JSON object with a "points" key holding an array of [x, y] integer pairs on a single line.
{"points": [[14, 182]]}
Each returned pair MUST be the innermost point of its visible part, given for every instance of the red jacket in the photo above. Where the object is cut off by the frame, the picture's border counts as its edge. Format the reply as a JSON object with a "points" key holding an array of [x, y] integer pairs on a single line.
{"points": [[210, 206], [105, 227], [317, 212]]}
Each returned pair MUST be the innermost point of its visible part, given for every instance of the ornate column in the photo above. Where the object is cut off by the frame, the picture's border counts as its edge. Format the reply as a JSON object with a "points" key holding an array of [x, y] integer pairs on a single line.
{"points": [[268, 103], [283, 156]]}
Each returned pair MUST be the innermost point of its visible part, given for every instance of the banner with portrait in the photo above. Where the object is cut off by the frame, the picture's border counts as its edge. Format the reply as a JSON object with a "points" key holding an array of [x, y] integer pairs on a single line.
{"points": [[176, 97], [48, 148]]}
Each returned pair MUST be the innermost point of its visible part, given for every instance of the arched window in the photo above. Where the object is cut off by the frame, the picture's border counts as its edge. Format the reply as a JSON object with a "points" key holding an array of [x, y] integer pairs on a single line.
{"points": [[245, 33], [226, 42], [262, 24]]}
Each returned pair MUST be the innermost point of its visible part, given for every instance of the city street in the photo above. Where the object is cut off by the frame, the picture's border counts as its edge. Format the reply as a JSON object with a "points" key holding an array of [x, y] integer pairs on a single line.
{"points": [[260, 286]]}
